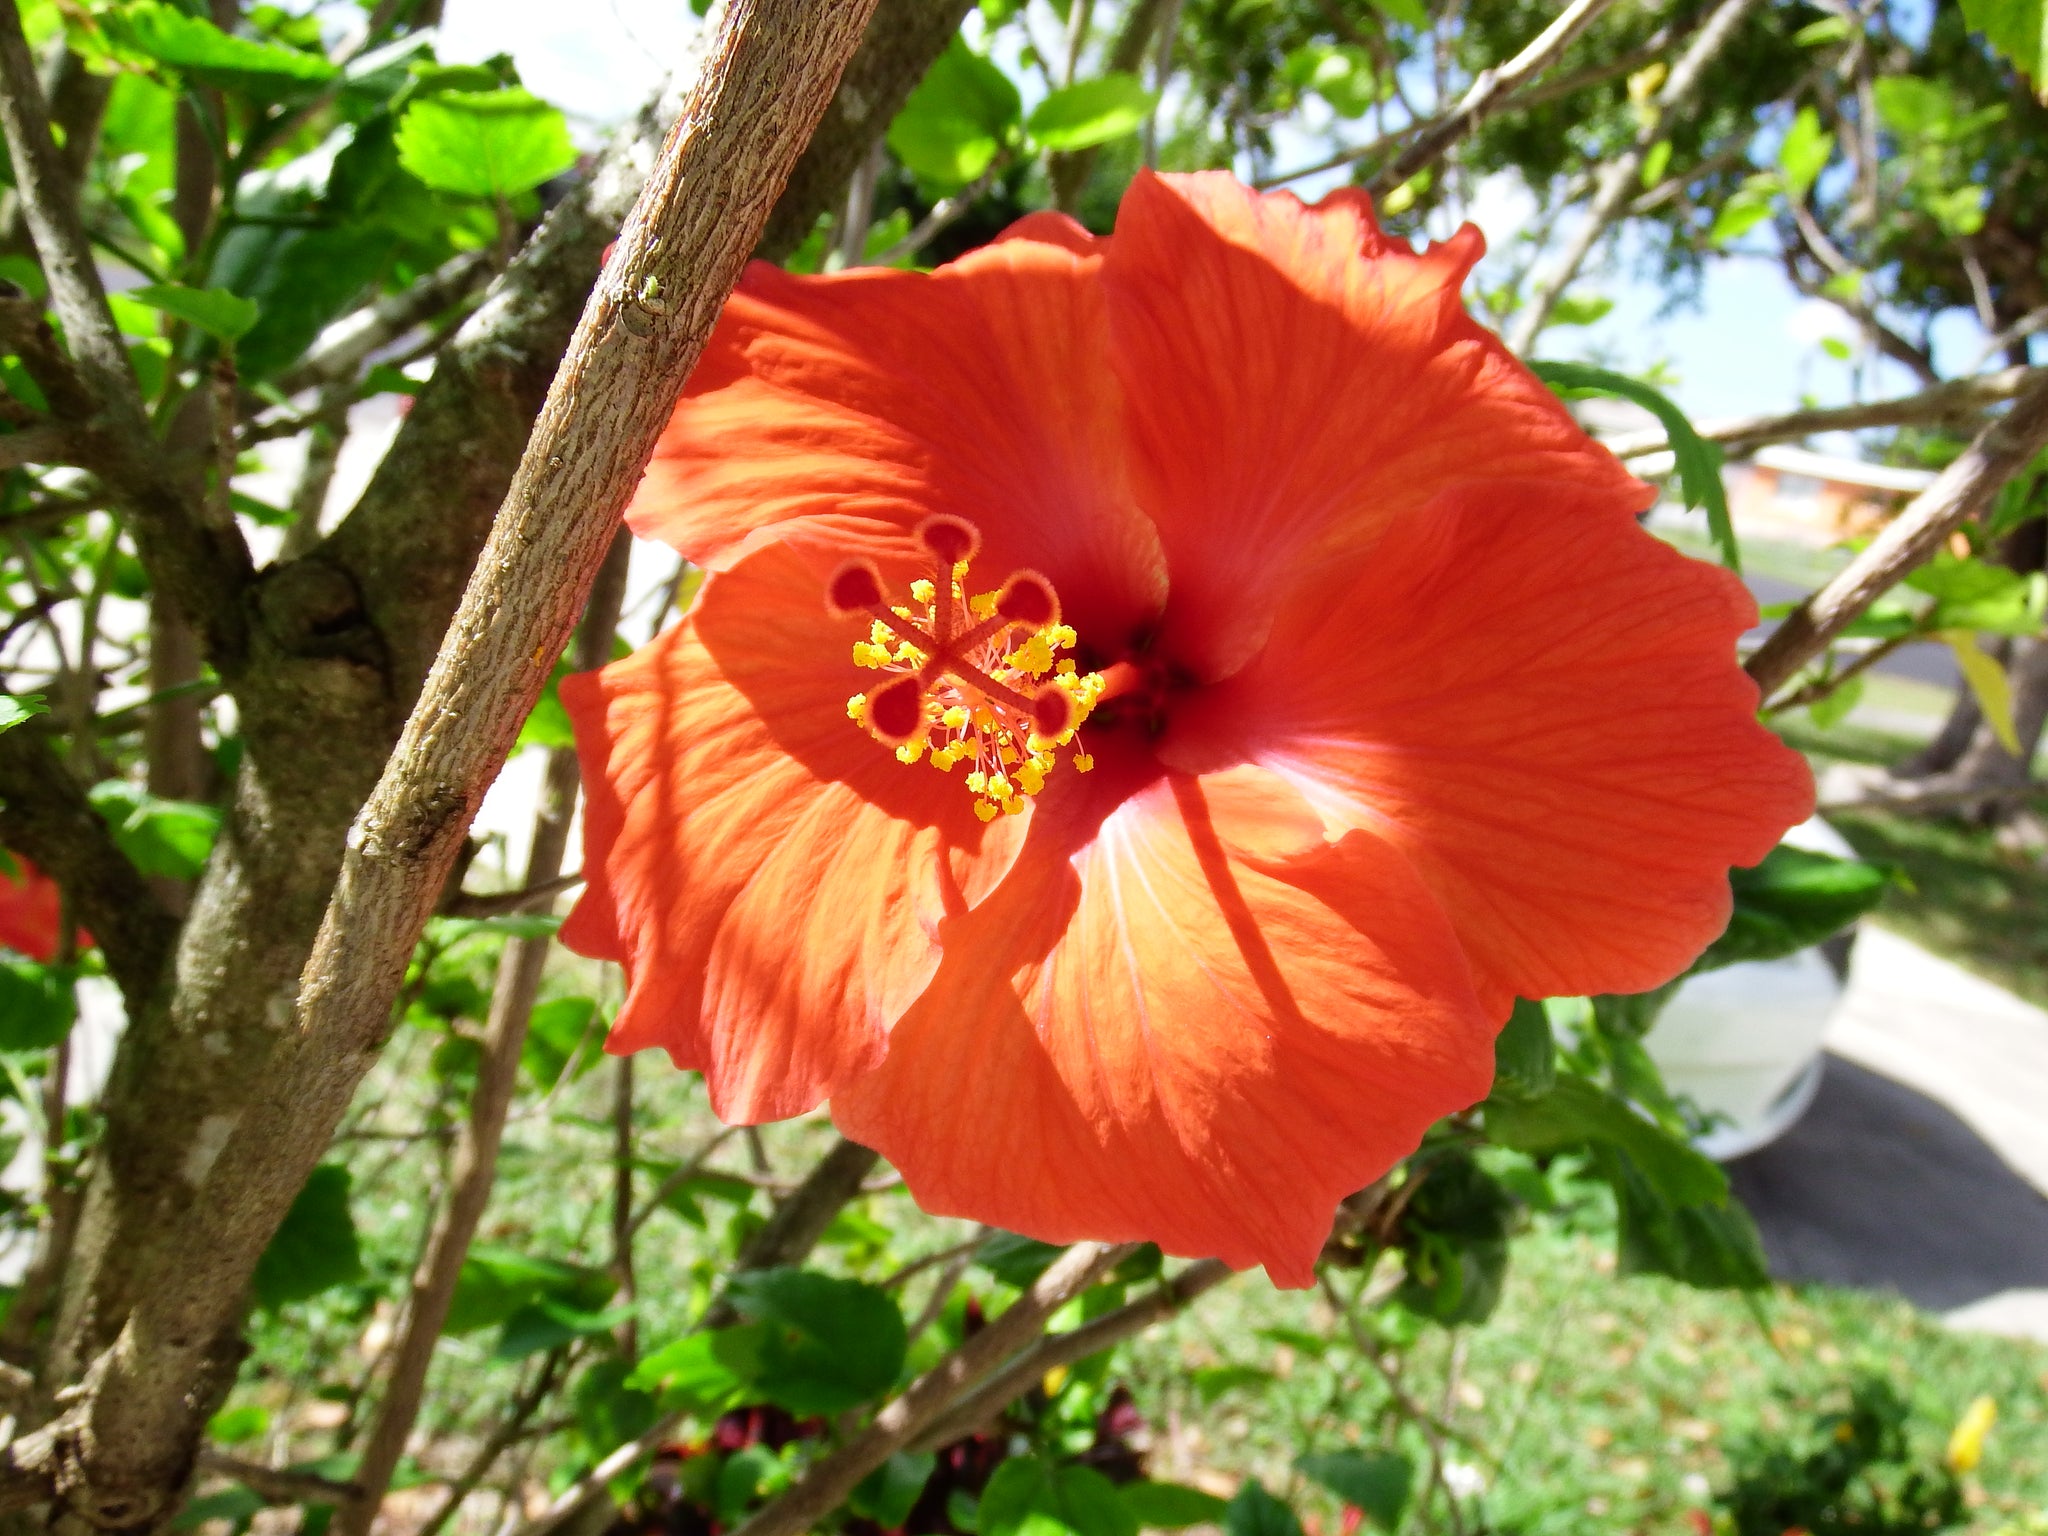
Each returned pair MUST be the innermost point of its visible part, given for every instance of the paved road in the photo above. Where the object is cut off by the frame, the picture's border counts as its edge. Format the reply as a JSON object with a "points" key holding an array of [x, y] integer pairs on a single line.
{"points": [[1922, 1167]]}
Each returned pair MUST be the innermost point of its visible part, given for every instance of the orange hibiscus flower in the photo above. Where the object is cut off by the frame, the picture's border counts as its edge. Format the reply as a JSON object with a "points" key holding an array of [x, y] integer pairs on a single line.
{"points": [[30, 910], [1156, 701]]}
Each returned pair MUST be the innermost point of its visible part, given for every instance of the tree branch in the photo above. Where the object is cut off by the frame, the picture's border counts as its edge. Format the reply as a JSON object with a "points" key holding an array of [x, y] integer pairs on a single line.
{"points": [[1622, 178], [1488, 93], [342, 348], [825, 1485], [201, 562], [44, 814], [1909, 540], [476, 1151], [1954, 403], [974, 1412], [769, 73]]}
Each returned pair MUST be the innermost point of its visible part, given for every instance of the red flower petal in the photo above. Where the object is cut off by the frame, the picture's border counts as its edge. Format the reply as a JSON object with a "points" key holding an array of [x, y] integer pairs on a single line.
{"points": [[1296, 383], [1178, 1027], [982, 391], [31, 911], [769, 875], [1538, 702]]}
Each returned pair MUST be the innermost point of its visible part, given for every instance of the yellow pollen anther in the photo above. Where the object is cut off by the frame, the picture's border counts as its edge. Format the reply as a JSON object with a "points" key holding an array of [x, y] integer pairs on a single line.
{"points": [[968, 674]]}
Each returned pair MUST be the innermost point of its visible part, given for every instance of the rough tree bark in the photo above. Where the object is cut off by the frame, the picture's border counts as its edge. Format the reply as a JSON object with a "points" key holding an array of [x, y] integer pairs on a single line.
{"points": [[322, 656], [340, 641]]}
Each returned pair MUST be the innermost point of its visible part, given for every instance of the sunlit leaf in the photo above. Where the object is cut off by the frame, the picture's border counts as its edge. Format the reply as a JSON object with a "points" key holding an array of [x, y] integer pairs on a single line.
{"points": [[491, 144], [1699, 461], [1989, 683], [214, 310], [958, 119], [1091, 112], [15, 708]]}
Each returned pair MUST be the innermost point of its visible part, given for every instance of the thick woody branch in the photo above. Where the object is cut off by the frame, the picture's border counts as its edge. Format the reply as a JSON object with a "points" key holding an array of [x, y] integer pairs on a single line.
{"points": [[824, 1487], [767, 76], [476, 1151], [1621, 180], [1961, 491], [1955, 403], [45, 815]]}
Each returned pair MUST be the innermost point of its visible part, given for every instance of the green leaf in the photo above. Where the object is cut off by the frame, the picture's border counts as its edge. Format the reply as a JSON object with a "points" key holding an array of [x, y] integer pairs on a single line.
{"points": [[488, 144], [704, 1372], [1573, 309], [1987, 680], [887, 1494], [1804, 153], [15, 708], [170, 838], [1524, 1052], [1213, 1381], [608, 1411], [1170, 1506], [1456, 1254], [1712, 1246], [831, 1344], [545, 1324], [1411, 13], [496, 1282], [200, 51], [37, 1008], [958, 119], [316, 1249], [562, 1032], [213, 310], [1791, 900], [1016, 1260], [1974, 594], [1745, 208], [1029, 1497], [1656, 163], [1377, 1482], [1829, 29], [1579, 1113], [1699, 461], [1831, 709], [1255, 1512], [238, 1426], [1837, 348], [2018, 30], [1091, 112]]}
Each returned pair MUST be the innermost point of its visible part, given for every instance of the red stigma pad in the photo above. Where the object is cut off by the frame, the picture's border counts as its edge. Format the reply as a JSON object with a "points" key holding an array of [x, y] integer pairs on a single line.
{"points": [[949, 540], [854, 588]]}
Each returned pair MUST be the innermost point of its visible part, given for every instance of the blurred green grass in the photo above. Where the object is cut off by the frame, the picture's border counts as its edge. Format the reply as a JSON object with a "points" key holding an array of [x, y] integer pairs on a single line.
{"points": [[1591, 1403]]}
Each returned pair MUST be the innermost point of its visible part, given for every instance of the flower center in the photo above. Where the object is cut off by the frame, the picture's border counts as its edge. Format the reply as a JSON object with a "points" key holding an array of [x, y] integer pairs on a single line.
{"points": [[972, 679]]}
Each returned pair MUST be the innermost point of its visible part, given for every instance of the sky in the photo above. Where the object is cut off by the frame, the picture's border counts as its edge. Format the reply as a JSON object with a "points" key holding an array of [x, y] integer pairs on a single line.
{"points": [[1751, 344]]}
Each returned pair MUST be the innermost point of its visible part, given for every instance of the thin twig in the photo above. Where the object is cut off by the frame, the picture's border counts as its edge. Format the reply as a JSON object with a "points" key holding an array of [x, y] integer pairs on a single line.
{"points": [[1622, 178], [1909, 540], [1955, 402], [826, 1483], [943, 213], [277, 1485]]}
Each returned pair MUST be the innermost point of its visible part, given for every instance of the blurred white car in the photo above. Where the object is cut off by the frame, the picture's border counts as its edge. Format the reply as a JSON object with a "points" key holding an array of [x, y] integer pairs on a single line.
{"points": [[1744, 1042]]}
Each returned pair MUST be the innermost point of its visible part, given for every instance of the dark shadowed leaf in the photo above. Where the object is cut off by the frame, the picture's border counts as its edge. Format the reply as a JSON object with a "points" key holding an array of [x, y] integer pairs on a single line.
{"points": [[315, 1250], [1792, 899], [215, 311], [1255, 1512], [830, 1345], [1170, 1506], [1028, 1497], [1377, 1482], [886, 1494]]}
